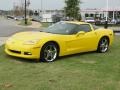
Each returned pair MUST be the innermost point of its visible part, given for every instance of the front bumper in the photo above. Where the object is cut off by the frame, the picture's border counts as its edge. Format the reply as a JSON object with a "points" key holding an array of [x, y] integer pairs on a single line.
{"points": [[23, 51]]}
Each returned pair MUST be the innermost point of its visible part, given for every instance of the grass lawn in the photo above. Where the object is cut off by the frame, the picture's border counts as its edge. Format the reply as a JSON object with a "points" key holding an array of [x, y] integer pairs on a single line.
{"points": [[45, 24], [89, 71], [23, 23]]}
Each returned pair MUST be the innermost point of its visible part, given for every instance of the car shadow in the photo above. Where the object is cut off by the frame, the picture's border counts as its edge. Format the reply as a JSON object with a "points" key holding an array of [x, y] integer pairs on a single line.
{"points": [[22, 59], [59, 58], [76, 55]]}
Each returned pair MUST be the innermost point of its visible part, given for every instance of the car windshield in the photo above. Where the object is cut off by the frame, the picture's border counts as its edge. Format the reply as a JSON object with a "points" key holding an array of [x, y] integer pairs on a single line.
{"points": [[61, 28]]}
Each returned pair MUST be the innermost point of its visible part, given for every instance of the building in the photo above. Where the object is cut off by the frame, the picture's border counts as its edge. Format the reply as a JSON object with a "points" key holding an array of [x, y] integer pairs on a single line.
{"points": [[113, 13]]}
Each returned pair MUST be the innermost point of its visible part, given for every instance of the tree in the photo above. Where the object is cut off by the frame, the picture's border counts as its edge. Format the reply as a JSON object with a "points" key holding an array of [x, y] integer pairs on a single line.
{"points": [[72, 9], [20, 7]]}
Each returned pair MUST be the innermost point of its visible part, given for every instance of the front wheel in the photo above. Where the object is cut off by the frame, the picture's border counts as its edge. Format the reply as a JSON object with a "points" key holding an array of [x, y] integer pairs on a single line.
{"points": [[49, 52], [103, 45]]}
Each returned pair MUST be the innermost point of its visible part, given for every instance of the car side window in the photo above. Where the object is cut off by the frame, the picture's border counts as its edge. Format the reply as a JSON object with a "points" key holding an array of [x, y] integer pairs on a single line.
{"points": [[82, 27], [85, 27]]}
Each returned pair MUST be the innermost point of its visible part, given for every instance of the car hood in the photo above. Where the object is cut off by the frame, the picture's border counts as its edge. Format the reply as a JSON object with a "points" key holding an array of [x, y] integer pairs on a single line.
{"points": [[26, 36]]}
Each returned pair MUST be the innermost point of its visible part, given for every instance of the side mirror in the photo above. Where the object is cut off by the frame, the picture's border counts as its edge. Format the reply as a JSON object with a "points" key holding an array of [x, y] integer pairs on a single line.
{"points": [[80, 33]]}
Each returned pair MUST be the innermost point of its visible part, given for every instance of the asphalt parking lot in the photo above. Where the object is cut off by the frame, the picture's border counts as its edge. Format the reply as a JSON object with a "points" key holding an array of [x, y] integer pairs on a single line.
{"points": [[10, 27]]}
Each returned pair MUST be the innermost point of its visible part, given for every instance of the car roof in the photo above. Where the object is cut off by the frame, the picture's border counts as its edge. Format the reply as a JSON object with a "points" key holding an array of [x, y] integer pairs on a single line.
{"points": [[76, 22]]}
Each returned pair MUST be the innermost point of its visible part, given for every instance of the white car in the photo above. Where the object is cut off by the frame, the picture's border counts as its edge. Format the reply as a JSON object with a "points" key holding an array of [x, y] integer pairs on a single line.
{"points": [[113, 21], [19, 18], [90, 20]]}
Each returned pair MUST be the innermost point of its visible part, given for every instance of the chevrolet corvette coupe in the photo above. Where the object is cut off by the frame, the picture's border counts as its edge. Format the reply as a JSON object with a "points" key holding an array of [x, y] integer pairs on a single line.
{"points": [[60, 39]]}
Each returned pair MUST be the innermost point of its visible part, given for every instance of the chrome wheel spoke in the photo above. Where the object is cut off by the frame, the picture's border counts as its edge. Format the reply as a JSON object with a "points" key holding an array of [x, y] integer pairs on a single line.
{"points": [[104, 45], [51, 48], [50, 53]]}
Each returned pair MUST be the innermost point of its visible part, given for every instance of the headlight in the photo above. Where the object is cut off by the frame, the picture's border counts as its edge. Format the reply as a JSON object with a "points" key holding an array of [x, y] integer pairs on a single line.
{"points": [[31, 42]]}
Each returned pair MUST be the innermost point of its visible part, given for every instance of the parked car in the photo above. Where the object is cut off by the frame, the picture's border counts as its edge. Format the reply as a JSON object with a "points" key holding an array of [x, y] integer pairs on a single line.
{"points": [[36, 18], [113, 21], [118, 21], [56, 18], [60, 39], [97, 21], [19, 18], [100, 21], [90, 20], [10, 17]]}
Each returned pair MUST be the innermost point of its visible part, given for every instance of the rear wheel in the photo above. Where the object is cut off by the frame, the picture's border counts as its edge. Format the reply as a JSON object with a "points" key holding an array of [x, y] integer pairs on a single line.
{"points": [[49, 52], [103, 45]]}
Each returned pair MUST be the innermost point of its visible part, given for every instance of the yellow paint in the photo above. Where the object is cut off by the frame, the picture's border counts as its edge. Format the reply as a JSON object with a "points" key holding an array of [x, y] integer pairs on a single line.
{"points": [[32, 42]]}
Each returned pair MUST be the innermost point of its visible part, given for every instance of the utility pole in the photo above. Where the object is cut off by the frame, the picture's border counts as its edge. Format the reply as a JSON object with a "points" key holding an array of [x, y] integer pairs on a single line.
{"points": [[41, 7], [106, 21], [25, 12]]}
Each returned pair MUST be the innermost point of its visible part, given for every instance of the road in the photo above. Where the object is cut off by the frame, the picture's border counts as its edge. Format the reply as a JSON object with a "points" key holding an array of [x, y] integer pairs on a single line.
{"points": [[9, 27]]}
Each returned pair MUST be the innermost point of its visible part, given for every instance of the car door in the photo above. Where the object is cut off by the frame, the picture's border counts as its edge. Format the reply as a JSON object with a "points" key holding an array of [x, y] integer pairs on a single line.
{"points": [[84, 40]]}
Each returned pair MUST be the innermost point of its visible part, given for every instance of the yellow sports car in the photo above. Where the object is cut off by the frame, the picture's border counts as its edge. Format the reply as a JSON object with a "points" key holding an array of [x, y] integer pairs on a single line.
{"points": [[60, 39]]}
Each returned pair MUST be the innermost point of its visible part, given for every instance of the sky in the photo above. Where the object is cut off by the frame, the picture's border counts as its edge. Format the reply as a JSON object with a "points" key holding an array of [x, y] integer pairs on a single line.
{"points": [[59, 4]]}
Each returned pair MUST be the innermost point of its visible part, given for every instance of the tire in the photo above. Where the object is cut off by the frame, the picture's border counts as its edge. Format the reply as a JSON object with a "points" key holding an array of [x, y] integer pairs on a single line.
{"points": [[49, 52], [103, 45]]}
